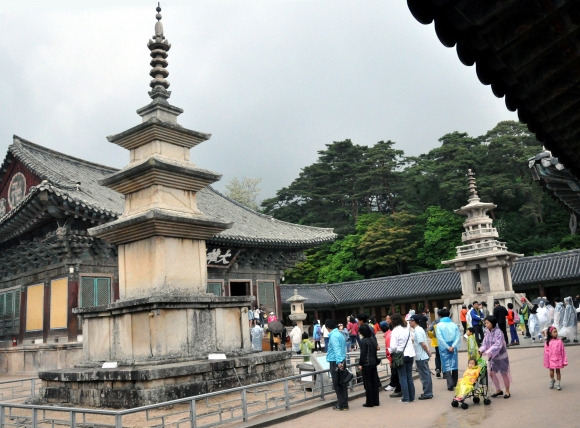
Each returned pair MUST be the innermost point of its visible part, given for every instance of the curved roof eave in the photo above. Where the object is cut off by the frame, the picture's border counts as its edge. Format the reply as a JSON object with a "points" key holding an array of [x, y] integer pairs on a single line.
{"points": [[76, 181], [527, 52]]}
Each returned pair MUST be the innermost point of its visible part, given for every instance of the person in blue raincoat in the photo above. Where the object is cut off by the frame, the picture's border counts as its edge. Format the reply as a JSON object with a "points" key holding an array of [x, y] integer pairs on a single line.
{"points": [[449, 339]]}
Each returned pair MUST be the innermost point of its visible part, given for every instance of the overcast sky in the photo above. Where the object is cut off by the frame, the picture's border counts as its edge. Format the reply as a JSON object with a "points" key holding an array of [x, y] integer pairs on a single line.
{"points": [[273, 81]]}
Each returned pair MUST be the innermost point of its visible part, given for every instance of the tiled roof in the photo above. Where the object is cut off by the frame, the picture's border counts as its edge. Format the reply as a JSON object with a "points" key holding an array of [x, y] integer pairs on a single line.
{"points": [[62, 173], [316, 294], [532, 270], [526, 51], [443, 282], [546, 268]]}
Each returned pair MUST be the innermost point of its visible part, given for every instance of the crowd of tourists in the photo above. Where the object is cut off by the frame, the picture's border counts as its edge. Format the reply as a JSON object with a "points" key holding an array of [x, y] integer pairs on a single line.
{"points": [[411, 341]]}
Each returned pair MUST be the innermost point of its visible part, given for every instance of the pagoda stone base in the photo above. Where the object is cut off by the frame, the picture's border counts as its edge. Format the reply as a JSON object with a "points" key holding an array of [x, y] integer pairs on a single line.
{"points": [[169, 328], [503, 298], [128, 387]]}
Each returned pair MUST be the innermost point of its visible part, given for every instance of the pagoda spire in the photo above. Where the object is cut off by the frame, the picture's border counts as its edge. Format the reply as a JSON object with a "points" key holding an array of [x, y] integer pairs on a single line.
{"points": [[159, 107], [159, 46], [473, 196]]}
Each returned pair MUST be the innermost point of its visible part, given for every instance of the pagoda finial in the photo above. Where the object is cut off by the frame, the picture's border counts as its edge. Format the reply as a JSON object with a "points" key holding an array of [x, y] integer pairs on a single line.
{"points": [[473, 196], [159, 46]]}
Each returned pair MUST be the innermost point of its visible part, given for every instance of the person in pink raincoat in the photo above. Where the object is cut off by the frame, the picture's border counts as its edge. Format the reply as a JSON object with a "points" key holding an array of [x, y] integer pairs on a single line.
{"points": [[554, 356]]}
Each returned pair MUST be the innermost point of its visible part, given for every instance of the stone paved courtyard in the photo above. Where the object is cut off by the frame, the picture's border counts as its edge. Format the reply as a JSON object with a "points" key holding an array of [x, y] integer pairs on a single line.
{"points": [[532, 403]]}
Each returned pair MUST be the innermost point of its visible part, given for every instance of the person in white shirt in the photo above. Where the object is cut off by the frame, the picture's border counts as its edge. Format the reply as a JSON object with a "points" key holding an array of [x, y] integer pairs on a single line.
{"points": [[401, 342], [295, 337], [325, 333], [422, 356]]}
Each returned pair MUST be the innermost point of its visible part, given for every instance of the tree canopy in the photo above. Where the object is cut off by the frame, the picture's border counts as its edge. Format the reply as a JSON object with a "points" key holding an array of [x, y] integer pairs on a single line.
{"points": [[394, 214]]}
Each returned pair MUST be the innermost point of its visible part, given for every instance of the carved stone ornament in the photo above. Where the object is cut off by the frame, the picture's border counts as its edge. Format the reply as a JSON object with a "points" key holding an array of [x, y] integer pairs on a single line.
{"points": [[17, 189], [3, 207]]}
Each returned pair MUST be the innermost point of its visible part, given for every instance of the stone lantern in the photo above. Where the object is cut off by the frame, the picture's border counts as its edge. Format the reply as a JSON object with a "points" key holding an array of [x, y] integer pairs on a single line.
{"points": [[297, 313]]}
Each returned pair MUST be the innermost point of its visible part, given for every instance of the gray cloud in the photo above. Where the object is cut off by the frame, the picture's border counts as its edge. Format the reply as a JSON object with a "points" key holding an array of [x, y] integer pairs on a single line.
{"points": [[273, 81]]}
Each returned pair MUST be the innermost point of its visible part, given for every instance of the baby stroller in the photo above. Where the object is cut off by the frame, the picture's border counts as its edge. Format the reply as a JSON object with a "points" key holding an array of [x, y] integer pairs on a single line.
{"points": [[479, 391]]}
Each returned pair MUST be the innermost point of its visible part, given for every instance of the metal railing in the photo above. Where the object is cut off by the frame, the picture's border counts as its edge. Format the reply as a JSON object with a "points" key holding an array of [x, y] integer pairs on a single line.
{"points": [[19, 388], [206, 410]]}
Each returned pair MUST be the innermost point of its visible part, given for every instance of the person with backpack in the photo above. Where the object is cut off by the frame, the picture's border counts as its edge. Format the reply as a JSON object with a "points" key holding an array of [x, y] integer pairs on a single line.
{"points": [[513, 319], [352, 328], [477, 322], [317, 336]]}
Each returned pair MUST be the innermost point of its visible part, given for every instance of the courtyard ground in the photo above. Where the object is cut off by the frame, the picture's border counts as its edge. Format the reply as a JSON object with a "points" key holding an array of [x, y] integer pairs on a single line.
{"points": [[532, 402]]}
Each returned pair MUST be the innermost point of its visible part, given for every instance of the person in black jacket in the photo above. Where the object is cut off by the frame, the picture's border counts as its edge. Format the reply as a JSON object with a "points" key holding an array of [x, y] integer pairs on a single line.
{"points": [[500, 313], [368, 365]]}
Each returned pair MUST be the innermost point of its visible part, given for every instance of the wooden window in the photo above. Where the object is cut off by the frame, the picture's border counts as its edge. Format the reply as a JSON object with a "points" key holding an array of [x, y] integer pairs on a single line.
{"points": [[266, 295], [58, 303], [34, 307], [214, 287], [95, 291], [9, 312]]}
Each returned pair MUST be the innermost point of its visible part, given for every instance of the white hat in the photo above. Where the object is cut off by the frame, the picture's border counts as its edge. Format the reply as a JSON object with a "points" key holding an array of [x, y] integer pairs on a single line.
{"points": [[271, 313]]}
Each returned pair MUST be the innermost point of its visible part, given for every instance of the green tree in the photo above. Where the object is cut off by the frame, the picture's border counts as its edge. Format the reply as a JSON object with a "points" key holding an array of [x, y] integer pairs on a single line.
{"points": [[307, 271], [385, 246], [382, 177], [441, 235], [326, 193], [438, 177], [343, 263]]}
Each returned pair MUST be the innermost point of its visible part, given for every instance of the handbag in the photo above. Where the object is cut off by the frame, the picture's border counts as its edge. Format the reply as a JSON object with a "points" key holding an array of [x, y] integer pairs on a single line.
{"points": [[344, 376], [398, 360]]}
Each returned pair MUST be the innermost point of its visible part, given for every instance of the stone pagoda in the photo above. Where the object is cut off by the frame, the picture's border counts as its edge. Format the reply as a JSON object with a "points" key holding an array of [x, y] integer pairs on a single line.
{"points": [[159, 338], [483, 262]]}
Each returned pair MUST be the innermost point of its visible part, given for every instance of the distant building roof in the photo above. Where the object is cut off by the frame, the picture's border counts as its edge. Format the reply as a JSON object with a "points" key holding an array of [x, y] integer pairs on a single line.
{"points": [[74, 183], [554, 267]]}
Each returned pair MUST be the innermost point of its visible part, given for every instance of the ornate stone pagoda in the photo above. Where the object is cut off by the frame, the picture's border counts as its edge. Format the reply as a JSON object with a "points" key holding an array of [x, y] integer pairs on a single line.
{"points": [[483, 262], [160, 332]]}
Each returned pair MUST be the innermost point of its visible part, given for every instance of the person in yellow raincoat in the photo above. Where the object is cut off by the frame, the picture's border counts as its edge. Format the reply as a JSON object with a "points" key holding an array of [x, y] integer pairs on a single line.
{"points": [[472, 348], [465, 384]]}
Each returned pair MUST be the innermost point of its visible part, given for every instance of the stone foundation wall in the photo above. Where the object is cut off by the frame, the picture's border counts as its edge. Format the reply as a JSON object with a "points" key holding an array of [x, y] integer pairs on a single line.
{"points": [[128, 387], [29, 360]]}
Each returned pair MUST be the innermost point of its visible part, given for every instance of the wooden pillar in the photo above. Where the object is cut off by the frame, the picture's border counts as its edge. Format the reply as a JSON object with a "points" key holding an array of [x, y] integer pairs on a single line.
{"points": [[73, 299], [23, 300], [46, 312]]}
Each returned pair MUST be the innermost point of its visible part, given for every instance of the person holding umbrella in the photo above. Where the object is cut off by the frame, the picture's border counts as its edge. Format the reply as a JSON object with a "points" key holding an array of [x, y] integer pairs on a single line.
{"points": [[276, 328]]}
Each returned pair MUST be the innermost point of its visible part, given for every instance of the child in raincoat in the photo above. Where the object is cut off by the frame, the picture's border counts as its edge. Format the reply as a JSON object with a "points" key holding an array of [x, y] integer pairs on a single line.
{"points": [[554, 356], [472, 348], [465, 384], [306, 347]]}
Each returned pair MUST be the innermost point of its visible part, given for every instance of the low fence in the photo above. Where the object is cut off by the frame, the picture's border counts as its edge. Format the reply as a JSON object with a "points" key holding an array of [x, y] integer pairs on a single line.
{"points": [[207, 410], [19, 388]]}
